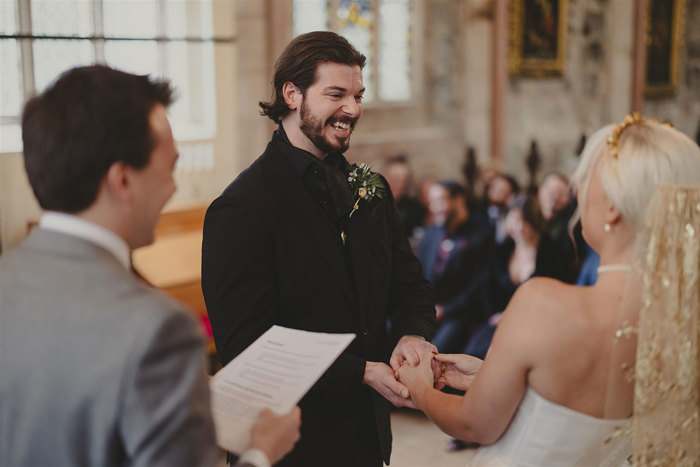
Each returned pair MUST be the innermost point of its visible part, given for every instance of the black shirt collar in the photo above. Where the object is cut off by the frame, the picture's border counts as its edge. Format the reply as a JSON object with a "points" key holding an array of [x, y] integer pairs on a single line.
{"points": [[299, 159]]}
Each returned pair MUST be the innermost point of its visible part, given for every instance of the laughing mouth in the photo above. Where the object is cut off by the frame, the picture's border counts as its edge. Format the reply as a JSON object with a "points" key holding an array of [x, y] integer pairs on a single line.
{"points": [[342, 126]]}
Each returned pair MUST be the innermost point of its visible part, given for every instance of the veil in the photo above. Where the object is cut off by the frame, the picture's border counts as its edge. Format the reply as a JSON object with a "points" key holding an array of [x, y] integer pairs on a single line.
{"points": [[655, 359]]}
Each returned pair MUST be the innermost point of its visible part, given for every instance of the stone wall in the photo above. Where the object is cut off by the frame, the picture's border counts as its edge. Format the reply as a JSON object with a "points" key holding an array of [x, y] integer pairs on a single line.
{"points": [[683, 108], [556, 111]]}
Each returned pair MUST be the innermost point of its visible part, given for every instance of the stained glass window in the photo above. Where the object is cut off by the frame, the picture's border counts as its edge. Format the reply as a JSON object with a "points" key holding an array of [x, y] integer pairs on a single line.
{"points": [[355, 20], [380, 29]]}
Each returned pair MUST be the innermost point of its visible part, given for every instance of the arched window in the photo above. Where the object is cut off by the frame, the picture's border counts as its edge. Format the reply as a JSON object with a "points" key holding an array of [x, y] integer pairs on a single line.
{"points": [[383, 30]]}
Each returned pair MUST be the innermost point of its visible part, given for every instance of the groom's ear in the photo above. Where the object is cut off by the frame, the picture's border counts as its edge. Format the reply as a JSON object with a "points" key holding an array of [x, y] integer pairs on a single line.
{"points": [[292, 95]]}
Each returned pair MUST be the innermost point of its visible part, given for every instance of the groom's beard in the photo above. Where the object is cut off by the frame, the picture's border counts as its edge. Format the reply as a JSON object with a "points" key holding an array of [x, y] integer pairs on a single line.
{"points": [[312, 128]]}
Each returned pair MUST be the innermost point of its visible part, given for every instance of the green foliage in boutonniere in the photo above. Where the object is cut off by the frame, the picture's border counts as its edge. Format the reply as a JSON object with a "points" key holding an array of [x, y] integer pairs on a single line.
{"points": [[364, 183]]}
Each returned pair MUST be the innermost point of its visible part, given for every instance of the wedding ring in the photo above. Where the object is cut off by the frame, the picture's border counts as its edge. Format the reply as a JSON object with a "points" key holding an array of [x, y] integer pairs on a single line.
{"points": [[403, 363]]}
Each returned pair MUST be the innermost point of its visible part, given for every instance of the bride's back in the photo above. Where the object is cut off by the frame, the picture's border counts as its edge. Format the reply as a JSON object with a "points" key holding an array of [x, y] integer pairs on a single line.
{"points": [[573, 336], [572, 363]]}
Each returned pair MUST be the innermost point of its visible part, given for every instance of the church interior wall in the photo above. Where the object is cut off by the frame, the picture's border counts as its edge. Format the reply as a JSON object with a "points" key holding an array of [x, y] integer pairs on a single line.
{"points": [[556, 111], [683, 108], [451, 108]]}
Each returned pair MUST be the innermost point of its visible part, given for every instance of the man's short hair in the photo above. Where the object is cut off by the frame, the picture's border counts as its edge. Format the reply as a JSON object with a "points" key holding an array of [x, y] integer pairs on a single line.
{"points": [[90, 118], [298, 63], [453, 188]]}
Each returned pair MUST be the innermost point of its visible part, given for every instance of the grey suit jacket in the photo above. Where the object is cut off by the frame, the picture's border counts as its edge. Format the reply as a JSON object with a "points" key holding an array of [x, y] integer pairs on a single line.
{"points": [[96, 368]]}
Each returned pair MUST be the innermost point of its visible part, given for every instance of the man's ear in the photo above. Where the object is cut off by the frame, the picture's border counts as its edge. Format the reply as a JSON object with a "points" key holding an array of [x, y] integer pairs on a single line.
{"points": [[292, 95], [117, 183]]}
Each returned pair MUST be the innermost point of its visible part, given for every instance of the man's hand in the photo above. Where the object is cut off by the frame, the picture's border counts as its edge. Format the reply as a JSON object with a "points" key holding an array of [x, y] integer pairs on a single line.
{"points": [[380, 377], [276, 435], [409, 349], [420, 377], [458, 370]]}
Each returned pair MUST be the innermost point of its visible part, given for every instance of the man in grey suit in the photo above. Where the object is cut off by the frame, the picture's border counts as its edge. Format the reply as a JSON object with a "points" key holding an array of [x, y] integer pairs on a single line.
{"points": [[97, 368]]}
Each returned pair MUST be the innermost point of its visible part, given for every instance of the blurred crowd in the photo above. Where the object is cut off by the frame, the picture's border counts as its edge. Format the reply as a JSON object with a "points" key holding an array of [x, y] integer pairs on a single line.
{"points": [[478, 243]]}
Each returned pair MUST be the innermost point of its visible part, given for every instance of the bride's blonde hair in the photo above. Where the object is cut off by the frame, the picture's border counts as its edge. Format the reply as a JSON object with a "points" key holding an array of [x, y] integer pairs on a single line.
{"points": [[632, 159]]}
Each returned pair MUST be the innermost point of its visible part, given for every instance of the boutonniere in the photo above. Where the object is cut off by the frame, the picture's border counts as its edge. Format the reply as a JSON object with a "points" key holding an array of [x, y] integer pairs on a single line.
{"points": [[365, 184]]}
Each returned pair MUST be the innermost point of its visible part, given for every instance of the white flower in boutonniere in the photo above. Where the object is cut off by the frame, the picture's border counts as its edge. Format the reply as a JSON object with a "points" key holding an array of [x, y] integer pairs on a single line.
{"points": [[365, 184]]}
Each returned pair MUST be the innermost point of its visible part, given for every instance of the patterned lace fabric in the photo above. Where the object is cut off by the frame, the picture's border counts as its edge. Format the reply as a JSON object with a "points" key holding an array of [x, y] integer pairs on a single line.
{"points": [[666, 421]]}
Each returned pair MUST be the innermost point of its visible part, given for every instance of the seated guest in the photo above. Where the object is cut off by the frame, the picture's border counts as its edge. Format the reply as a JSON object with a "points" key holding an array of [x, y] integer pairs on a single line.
{"points": [[454, 255], [525, 254], [554, 195], [588, 275], [558, 206], [423, 196], [97, 368], [398, 174], [499, 195]]}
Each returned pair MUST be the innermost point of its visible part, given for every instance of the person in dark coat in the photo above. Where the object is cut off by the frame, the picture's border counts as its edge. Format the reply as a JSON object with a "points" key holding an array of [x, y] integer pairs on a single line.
{"points": [[305, 240]]}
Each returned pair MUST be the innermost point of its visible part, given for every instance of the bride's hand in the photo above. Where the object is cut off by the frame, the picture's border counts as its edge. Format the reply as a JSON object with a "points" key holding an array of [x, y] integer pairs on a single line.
{"points": [[422, 374], [458, 370]]}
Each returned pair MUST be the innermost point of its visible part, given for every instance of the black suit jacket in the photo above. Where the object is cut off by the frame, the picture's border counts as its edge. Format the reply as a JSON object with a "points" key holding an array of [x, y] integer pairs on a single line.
{"points": [[271, 256]]}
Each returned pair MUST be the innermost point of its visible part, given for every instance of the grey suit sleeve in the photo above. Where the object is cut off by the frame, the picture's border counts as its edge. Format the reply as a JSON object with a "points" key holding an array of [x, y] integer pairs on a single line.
{"points": [[166, 416]]}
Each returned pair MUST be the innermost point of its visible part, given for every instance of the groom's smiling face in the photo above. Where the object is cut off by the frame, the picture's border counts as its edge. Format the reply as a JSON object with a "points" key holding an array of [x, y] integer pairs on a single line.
{"points": [[331, 106]]}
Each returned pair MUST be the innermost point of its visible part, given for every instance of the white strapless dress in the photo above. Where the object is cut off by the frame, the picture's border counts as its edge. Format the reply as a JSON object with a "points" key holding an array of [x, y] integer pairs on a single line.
{"points": [[546, 434]]}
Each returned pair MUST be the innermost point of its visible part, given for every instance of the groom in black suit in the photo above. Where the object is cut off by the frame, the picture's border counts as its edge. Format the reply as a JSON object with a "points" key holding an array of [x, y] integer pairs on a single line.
{"points": [[283, 245]]}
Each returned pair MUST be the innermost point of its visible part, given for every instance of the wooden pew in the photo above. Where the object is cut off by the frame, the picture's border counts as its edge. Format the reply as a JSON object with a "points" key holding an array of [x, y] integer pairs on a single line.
{"points": [[173, 262]]}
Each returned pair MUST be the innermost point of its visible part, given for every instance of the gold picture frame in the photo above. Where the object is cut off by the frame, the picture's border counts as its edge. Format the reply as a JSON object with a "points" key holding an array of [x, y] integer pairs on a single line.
{"points": [[664, 33], [537, 37]]}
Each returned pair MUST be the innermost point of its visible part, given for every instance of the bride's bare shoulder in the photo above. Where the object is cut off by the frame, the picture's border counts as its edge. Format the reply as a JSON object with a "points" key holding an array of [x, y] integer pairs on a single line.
{"points": [[546, 295]]}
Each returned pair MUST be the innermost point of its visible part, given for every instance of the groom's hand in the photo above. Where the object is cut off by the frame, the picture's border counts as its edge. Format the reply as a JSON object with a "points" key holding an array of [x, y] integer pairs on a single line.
{"points": [[380, 377], [409, 349]]}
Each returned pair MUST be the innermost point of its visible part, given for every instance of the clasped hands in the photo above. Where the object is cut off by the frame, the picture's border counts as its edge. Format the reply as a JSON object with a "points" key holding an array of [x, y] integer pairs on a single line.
{"points": [[416, 362]]}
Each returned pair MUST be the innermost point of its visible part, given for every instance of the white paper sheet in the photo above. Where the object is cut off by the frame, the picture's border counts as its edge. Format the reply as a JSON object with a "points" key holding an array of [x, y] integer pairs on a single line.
{"points": [[274, 372]]}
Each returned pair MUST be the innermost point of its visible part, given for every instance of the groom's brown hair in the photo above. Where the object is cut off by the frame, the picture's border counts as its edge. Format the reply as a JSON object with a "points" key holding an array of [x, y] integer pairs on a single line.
{"points": [[298, 62]]}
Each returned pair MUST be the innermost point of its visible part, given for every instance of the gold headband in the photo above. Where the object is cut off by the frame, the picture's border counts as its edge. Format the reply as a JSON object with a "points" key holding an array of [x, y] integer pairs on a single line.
{"points": [[629, 120]]}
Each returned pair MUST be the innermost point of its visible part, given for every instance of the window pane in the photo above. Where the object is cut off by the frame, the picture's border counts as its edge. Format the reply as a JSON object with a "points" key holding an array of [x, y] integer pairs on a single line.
{"points": [[355, 24], [176, 19], [394, 50], [62, 17], [178, 72], [190, 69], [131, 18], [188, 19], [139, 57], [309, 15], [207, 19], [53, 57], [10, 86], [8, 17]]}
